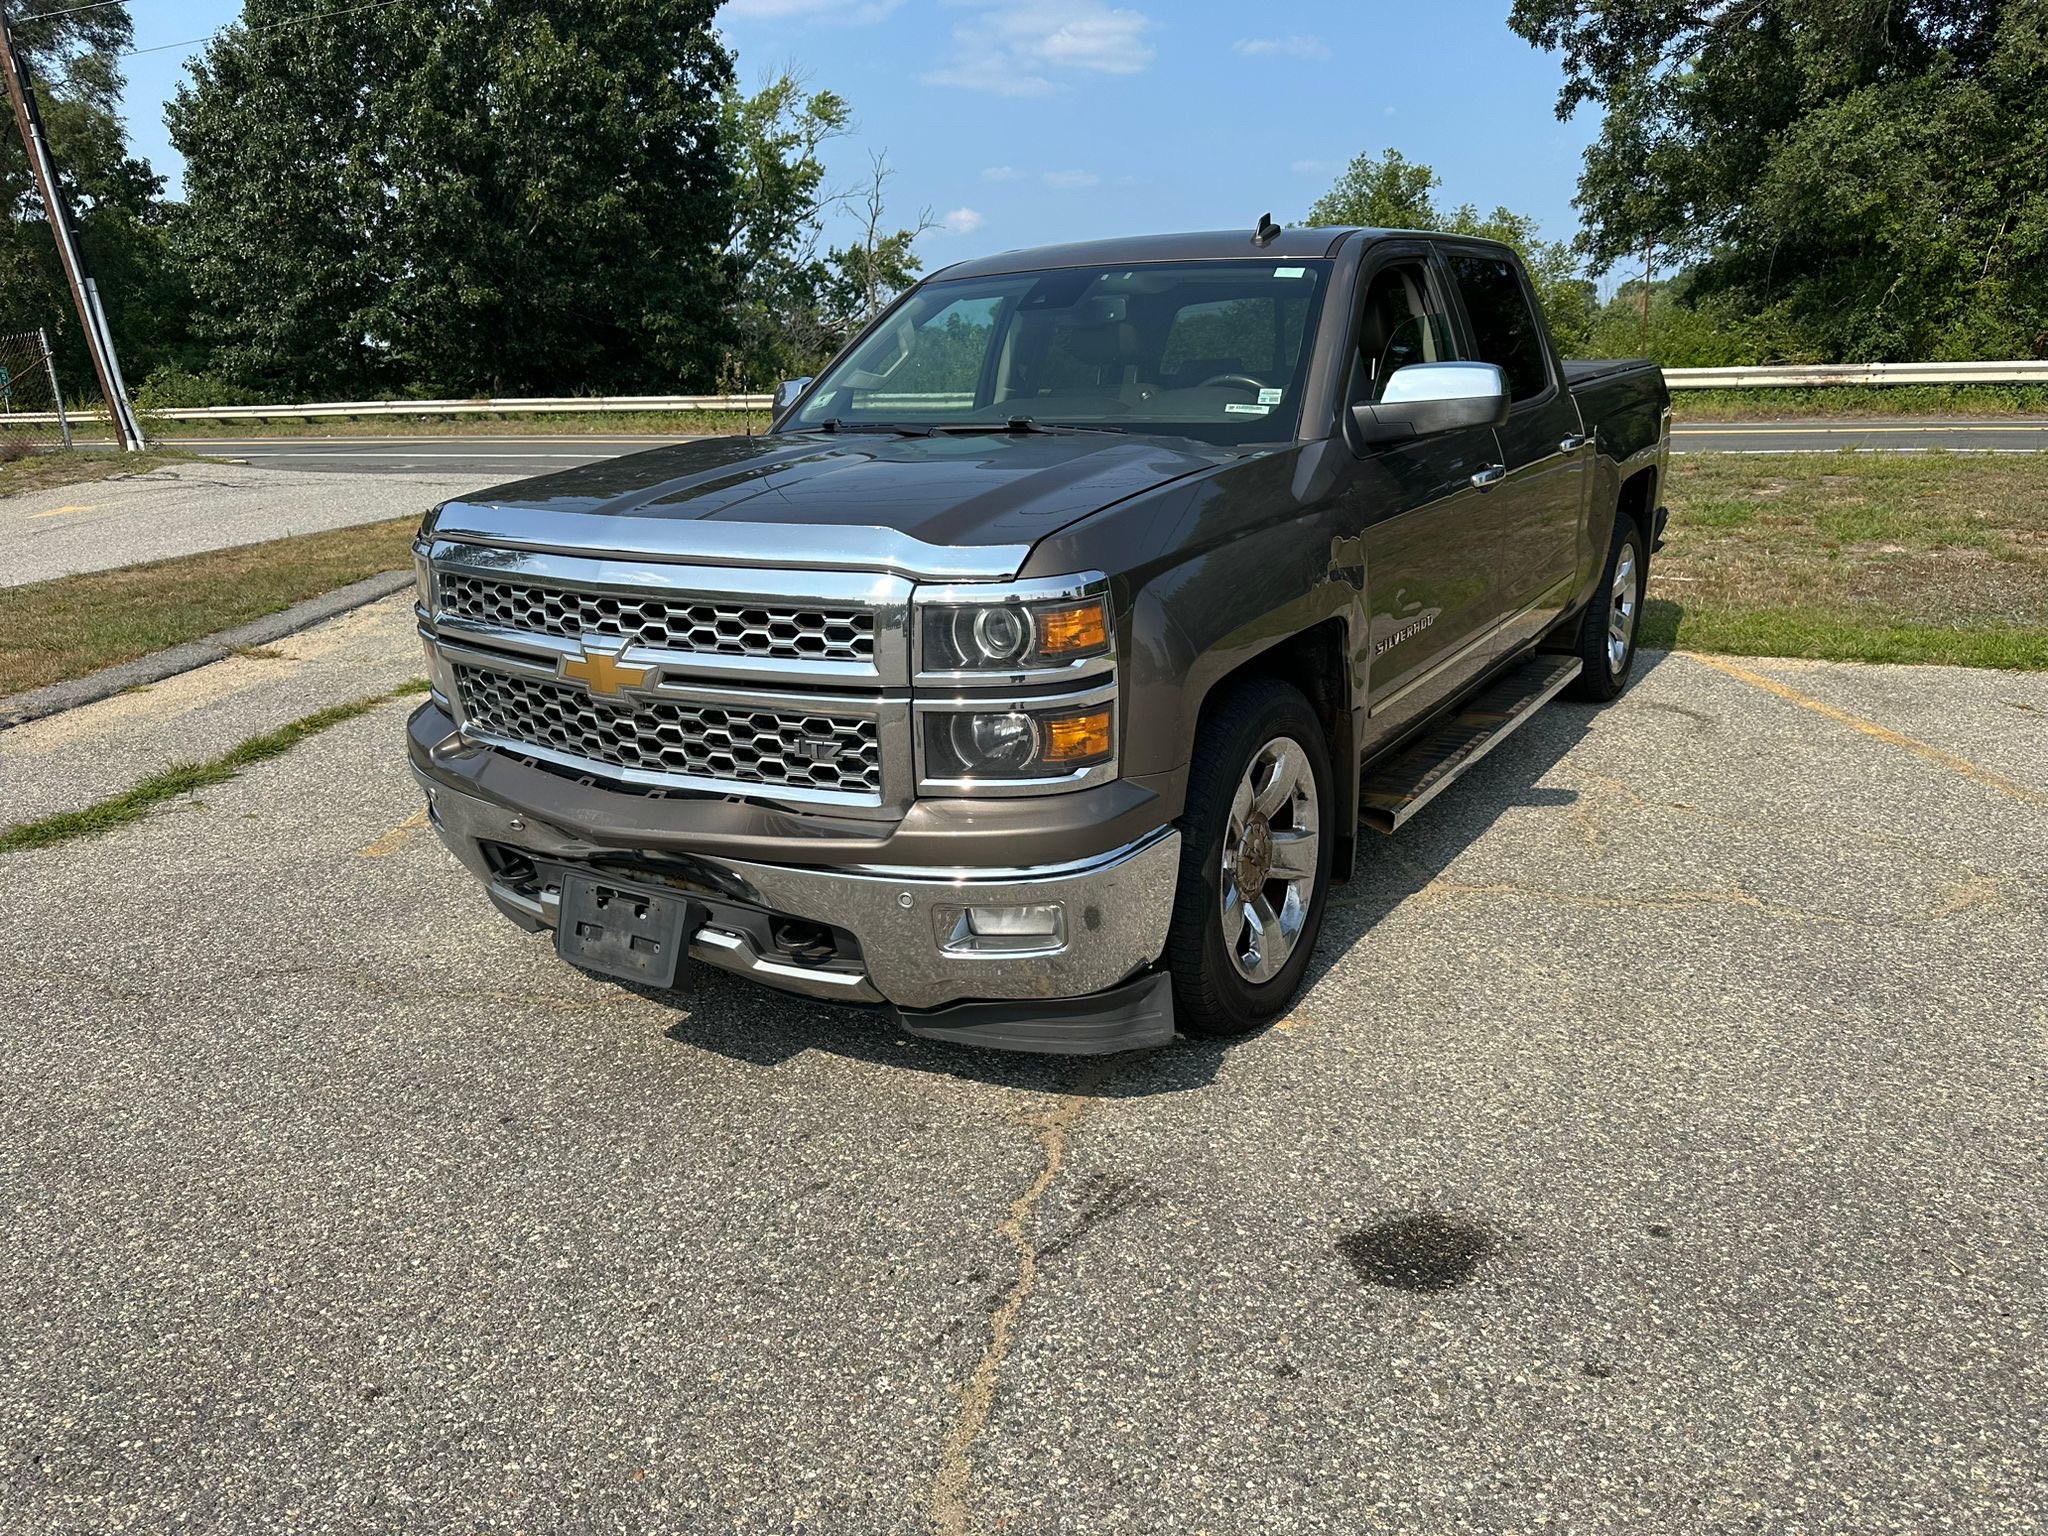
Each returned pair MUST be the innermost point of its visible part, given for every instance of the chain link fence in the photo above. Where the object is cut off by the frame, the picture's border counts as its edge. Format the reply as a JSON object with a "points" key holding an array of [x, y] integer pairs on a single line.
{"points": [[32, 413]]}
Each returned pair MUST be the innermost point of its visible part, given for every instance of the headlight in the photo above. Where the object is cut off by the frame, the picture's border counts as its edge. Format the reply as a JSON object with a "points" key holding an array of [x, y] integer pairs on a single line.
{"points": [[422, 579], [1034, 744], [1013, 631]]}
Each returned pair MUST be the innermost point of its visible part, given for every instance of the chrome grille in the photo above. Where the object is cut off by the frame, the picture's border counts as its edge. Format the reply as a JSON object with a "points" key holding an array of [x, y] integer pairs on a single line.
{"points": [[778, 748], [709, 627]]}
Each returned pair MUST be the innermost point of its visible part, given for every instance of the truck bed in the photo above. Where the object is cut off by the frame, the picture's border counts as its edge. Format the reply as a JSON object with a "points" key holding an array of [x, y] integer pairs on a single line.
{"points": [[1623, 399]]}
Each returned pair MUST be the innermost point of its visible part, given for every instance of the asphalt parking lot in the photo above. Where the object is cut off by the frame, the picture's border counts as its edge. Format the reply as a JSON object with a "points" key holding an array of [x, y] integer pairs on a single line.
{"points": [[1660, 1148]]}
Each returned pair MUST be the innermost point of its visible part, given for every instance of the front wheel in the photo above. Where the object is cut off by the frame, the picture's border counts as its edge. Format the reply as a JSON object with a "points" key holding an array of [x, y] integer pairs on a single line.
{"points": [[1257, 842], [1607, 632]]}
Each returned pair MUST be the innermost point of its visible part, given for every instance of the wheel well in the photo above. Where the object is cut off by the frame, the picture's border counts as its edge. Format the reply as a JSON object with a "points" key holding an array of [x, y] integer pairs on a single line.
{"points": [[1315, 662]]}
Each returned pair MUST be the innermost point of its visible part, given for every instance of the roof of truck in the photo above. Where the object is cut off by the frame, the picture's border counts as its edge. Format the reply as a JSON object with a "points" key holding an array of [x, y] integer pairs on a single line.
{"points": [[1295, 244]]}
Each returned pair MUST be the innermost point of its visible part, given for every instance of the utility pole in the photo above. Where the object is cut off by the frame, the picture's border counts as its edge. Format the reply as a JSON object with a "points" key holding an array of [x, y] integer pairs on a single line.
{"points": [[1649, 272], [99, 340]]}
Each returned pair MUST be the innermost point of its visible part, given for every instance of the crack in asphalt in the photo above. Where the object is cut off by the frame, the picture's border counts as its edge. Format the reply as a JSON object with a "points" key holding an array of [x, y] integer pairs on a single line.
{"points": [[948, 1501]]}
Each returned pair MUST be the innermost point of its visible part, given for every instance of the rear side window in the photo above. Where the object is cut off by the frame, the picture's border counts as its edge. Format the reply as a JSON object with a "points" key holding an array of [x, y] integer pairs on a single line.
{"points": [[1503, 328]]}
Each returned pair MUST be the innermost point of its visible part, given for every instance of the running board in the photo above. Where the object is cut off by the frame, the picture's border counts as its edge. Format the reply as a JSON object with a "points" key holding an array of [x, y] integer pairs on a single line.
{"points": [[1396, 789]]}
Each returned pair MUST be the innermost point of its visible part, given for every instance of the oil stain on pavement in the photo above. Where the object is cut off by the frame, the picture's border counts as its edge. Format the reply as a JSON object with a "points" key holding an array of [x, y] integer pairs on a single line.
{"points": [[1419, 1251]]}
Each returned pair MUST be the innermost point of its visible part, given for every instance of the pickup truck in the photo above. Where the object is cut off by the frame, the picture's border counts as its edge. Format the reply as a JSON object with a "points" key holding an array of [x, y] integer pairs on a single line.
{"points": [[1038, 671]]}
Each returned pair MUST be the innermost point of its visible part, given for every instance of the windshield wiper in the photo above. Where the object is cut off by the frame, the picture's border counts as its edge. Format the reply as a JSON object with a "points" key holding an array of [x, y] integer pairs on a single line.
{"points": [[1019, 425], [834, 424]]}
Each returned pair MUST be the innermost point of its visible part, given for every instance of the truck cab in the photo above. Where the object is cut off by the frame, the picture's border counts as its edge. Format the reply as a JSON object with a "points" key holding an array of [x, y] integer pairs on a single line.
{"points": [[1037, 673]]}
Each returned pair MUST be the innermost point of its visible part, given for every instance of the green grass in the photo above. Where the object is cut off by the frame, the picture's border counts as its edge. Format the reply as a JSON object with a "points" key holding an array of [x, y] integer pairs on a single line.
{"points": [[1960, 400], [1855, 557], [133, 804], [54, 630]]}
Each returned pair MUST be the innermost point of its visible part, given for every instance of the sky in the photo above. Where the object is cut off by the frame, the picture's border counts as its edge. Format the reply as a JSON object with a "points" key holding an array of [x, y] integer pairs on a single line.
{"points": [[1025, 122]]}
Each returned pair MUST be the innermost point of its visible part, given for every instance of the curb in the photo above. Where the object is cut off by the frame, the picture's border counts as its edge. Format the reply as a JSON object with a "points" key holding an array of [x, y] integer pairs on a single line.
{"points": [[94, 686]]}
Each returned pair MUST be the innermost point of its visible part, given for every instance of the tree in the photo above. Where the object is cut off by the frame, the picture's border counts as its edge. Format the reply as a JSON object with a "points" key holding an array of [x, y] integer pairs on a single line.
{"points": [[461, 196], [774, 141], [1394, 192], [867, 276], [1862, 179], [123, 222], [1391, 192]]}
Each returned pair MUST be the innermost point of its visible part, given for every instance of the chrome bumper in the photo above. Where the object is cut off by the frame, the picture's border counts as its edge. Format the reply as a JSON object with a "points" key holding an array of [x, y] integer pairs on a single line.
{"points": [[1117, 908]]}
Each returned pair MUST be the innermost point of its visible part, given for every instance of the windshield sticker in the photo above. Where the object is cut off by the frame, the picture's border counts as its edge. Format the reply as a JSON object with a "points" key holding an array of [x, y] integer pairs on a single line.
{"points": [[1290, 271], [1270, 396], [1248, 410]]}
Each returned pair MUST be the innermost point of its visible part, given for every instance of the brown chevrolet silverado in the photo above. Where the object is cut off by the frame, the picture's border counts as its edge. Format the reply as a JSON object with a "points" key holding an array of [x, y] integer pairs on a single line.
{"points": [[1037, 673]]}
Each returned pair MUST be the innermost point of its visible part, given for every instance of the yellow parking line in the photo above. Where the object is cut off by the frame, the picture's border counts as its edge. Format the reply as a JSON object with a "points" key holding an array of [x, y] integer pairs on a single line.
{"points": [[1884, 733], [397, 837], [60, 511]]}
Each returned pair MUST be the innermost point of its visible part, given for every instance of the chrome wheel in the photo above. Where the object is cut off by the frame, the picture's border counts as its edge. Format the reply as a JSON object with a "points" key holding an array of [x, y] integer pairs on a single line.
{"points": [[1270, 849], [1621, 616]]}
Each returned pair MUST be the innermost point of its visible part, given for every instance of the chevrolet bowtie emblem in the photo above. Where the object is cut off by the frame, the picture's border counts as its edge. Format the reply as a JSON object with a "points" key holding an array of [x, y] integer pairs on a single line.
{"points": [[603, 673]]}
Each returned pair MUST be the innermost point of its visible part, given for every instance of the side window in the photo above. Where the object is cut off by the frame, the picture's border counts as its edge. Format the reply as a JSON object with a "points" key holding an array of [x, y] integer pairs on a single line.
{"points": [[1402, 323], [1502, 326]]}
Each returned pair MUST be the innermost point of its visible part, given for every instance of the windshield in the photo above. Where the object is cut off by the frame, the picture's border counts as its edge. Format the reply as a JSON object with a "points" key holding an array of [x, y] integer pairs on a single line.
{"points": [[1214, 350]]}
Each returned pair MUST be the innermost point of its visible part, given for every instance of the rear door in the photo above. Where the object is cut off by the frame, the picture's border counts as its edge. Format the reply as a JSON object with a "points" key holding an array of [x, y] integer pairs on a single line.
{"points": [[1431, 556], [1539, 505]]}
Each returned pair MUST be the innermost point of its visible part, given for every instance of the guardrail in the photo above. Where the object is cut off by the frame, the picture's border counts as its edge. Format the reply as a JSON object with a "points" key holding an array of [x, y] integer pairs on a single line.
{"points": [[1788, 376], [1825, 375]]}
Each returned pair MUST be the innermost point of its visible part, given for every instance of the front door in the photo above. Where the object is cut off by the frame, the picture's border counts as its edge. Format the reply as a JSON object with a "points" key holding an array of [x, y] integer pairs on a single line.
{"points": [[1431, 549]]}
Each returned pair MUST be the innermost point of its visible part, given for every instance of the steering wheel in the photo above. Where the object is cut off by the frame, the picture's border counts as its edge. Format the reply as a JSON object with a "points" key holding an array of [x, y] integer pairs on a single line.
{"points": [[1243, 380]]}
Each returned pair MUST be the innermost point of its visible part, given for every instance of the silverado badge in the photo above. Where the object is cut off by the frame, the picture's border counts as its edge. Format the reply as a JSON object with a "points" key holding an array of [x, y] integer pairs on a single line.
{"points": [[600, 670]]}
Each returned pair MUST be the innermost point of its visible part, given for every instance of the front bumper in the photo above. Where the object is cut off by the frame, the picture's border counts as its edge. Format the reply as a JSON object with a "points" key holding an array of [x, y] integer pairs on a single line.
{"points": [[895, 921]]}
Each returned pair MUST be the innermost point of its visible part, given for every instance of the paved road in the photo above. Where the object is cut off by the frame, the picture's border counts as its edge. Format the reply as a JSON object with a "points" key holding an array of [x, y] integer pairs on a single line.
{"points": [[1885, 436], [183, 509], [1660, 1148]]}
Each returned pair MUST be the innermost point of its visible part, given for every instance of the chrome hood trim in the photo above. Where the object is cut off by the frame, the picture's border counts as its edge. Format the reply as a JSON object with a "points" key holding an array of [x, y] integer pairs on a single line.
{"points": [[775, 546]]}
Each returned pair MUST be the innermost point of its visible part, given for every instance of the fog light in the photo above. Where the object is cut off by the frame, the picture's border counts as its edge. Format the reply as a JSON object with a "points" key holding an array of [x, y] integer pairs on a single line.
{"points": [[1037, 929]]}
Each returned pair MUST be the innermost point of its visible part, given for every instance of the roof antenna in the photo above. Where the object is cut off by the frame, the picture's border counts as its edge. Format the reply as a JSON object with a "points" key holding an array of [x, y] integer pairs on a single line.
{"points": [[1268, 230]]}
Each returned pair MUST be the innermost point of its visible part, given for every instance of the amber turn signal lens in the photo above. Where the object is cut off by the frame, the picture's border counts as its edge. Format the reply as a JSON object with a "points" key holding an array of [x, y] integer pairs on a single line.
{"points": [[1072, 631], [1077, 738]]}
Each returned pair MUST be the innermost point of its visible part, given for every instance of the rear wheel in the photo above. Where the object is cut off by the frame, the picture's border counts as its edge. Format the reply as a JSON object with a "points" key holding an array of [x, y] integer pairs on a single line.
{"points": [[1257, 841], [1607, 631]]}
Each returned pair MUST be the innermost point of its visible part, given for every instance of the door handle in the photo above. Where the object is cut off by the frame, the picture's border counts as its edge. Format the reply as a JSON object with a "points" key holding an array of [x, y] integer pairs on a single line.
{"points": [[1573, 443], [1490, 476]]}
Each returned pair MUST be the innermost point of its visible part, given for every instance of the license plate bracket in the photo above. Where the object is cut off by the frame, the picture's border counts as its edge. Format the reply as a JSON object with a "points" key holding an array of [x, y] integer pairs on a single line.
{"points": [[625, 931]]}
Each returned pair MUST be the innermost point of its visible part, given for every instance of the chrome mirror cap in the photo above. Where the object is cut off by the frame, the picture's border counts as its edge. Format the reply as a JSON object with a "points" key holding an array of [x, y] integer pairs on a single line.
{"points": [[1422, 383], [1424, 399]]}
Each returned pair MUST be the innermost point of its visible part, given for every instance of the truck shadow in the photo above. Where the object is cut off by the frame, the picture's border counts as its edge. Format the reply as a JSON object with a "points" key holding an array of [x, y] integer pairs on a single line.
{"points": [[745, 1023]]}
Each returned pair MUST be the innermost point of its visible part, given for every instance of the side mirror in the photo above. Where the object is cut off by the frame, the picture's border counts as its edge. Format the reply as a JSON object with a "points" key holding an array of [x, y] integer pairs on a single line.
{"points": [[1424, 399], [787, 391]]}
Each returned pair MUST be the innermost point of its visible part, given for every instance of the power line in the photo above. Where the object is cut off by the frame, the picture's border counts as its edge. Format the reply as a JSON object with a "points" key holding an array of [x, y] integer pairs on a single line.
{"points": [[61, 77], [96, 5], [275, 26]]}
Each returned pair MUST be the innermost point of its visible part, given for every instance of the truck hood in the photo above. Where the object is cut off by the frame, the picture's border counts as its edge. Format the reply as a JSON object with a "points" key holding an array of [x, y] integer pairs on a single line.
{"points": [[944, 507]]}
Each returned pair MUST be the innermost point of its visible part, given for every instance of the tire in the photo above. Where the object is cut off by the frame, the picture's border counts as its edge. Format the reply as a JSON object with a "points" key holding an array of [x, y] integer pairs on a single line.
{"points": [[1607, 629], [1235, 982]]}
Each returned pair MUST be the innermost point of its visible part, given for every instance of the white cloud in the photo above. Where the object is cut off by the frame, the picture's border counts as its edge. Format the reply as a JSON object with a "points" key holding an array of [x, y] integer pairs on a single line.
{"points": [[1069, 181], [1016, 47], [1001, 173], [961, 221], [856, 11], [1296, 45], [1316, 167]]}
